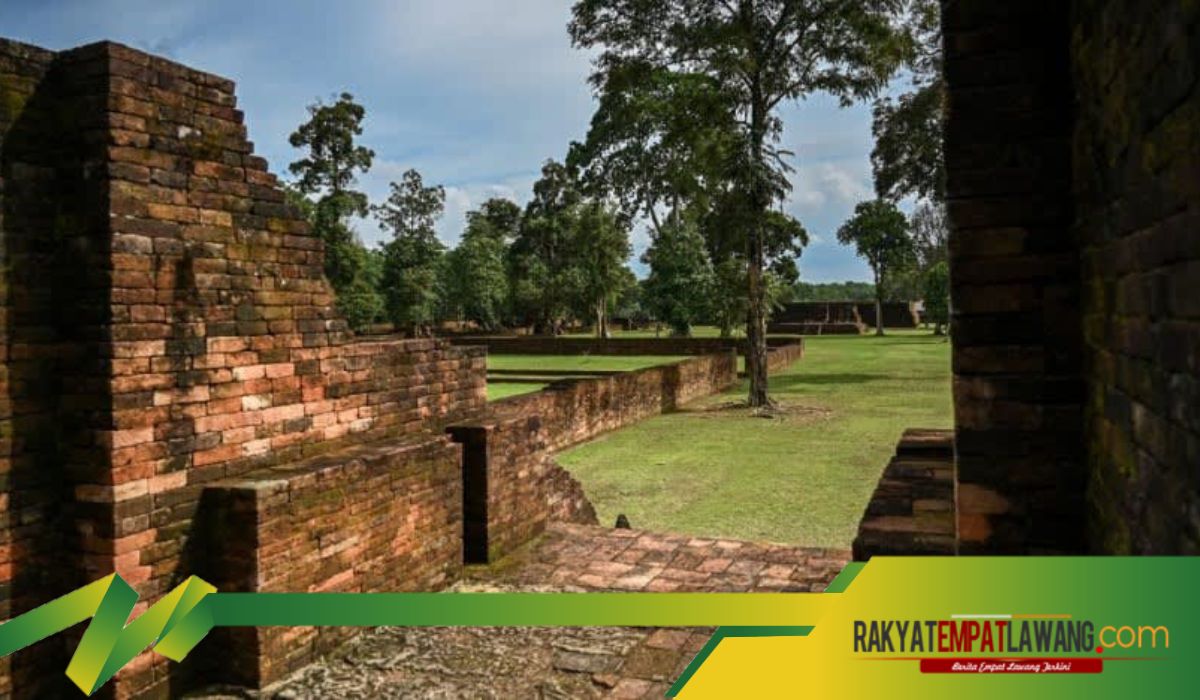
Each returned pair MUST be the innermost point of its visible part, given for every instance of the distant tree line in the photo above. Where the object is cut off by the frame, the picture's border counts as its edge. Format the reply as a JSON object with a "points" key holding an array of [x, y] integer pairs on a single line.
{"points": [[686, 140], [833, 291], [559, 260]]}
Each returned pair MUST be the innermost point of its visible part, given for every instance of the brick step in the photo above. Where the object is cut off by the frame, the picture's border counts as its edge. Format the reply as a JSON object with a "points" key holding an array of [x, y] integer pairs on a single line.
{"points": [[926, 442], [911, 511]]}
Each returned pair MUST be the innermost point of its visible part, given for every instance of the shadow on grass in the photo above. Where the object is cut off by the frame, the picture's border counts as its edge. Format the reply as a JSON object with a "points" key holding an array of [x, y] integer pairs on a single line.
{"points": [[822, 379]]}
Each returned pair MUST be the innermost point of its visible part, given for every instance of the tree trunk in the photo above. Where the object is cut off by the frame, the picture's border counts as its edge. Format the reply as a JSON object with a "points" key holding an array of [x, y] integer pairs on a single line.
{"points": [[756, 316], [601, 320], [878, 304]]}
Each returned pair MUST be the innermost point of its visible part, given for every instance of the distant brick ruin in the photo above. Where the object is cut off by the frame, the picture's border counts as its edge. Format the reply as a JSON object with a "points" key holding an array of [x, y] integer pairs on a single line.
{"points": [[841, 317]]}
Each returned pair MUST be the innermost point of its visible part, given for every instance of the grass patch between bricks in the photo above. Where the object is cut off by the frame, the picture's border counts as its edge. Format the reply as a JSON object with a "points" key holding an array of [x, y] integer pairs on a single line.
{"points": [[801, 476]]}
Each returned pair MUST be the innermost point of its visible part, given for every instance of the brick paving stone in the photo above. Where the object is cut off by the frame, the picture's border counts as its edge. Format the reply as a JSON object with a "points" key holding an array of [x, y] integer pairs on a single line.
{"points": [[668, 639], [630, 689], [714, 566], [637, 663]]}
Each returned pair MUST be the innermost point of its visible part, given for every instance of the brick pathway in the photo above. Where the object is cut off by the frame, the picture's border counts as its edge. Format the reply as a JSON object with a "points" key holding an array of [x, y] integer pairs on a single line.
{"points": [[596, 558], [632, 560], [615, 663]]}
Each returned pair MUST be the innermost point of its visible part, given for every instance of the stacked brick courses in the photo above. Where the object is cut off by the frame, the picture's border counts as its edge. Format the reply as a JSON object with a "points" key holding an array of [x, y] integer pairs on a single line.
{"points": [[382, 517], [168, 326], [513, 486], [1015, 277], [1137, 190]]}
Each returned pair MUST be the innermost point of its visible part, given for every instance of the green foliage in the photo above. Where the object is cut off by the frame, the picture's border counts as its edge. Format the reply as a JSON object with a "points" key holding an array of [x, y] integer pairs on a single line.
{"points": [[599, 246], [659, 139], [929, 231], [540, 259], [412, 276], [328, 172], [907, 159], [879, 233], [833, 291], [681, 282], [741, 60], [476, 273], [360, 302], [930, 234], [937, 295], [333, 156]]}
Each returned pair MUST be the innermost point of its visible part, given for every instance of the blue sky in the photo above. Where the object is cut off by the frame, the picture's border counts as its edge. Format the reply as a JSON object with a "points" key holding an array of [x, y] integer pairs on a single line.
{"points": [[475, 94]]}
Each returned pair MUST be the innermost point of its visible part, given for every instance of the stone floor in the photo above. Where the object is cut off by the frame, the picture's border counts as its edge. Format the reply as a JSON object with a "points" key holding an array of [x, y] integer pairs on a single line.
{"points": [[391, 662], [595, 558]]}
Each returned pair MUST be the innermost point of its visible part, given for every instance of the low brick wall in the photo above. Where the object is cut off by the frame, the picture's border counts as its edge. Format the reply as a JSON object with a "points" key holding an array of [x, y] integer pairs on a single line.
{"points": [[912, 510], [512, 485], [818, 328], [828, 317], [385, 517], [549, 345], [781, 357]]}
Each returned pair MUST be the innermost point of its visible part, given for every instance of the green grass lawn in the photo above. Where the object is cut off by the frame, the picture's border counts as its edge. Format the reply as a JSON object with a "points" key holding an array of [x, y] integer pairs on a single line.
{"points": [[803, 477], [531, 366], [503, 390]]}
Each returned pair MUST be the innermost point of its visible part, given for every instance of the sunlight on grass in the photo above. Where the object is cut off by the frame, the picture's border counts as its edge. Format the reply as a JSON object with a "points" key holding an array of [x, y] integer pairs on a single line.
{"points": [[801, 478]]}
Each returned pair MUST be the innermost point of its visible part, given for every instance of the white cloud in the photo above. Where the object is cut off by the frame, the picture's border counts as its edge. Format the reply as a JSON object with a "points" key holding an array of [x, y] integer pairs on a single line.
{"points": [[833, 183]]}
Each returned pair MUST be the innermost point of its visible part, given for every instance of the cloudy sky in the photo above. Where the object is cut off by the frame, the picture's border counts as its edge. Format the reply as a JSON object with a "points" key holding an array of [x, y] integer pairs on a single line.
{"points": [[475, 94]]}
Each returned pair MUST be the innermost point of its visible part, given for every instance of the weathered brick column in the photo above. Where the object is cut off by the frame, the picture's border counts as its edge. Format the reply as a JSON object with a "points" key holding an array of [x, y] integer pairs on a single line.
{"points": [[1015, 277], [1137, 193], [168, 326]]}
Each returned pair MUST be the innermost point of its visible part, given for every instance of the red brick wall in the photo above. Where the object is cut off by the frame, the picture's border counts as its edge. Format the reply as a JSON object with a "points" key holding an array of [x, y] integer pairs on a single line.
{"points": [[513, 487], [45, 198], [548, 345], [167, 324], [1015, 277], [374, 518], [1137, 192]]}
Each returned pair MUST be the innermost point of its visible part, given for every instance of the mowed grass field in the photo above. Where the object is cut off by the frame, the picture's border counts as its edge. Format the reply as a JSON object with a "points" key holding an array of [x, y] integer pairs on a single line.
{"points": [[530, 367], [802, 477]]}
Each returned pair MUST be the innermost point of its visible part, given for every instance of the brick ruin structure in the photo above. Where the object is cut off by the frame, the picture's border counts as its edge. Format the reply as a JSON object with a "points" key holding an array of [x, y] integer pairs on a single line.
{"points": [[841, 317], [1074, 199], [181, 397]]}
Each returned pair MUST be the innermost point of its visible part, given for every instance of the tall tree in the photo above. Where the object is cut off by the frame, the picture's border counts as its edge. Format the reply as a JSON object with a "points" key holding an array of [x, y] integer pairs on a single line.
{"points": [[329, 172], [600, 247], [411, 276], [784, 239], [758, 54], [680, 285], [476, 271], [541, 256], [660, 143], [937, 296], [907, 158], [930, 231], [879, 233]]}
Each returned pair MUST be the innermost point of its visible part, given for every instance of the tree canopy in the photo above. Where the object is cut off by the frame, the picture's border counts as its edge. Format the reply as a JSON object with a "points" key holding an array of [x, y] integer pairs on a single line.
{"points": [[329, 173], [907, 159], [879, 233], [750, 56], [412, 258]]}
